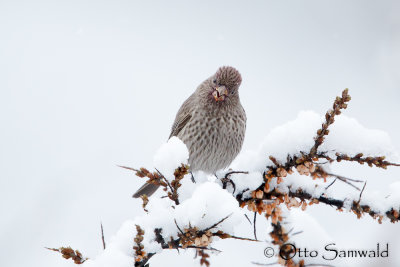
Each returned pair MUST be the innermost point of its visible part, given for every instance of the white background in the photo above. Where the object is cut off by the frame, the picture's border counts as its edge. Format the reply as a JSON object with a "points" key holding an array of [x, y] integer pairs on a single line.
{"points": [[87, 85]]}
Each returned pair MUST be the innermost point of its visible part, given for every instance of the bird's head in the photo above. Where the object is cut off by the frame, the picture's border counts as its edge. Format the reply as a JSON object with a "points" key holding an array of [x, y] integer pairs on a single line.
{"points": [[224, 84]]}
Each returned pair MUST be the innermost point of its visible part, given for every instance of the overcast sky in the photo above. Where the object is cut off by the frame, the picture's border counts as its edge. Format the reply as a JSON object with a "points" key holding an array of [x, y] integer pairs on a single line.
{"points": [[86, 85]]}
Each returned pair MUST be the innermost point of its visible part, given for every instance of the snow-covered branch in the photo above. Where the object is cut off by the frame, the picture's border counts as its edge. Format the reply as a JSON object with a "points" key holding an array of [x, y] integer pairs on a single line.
{"points": [[291, 169]]}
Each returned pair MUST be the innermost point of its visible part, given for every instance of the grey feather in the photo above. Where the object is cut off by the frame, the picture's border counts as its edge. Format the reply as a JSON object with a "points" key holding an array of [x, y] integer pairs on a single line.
{"points": [[183, 116], [146, 189]]}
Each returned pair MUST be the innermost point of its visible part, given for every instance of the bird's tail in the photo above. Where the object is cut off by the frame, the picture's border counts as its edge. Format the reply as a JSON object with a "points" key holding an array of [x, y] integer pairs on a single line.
{"points": [[146, 189]]}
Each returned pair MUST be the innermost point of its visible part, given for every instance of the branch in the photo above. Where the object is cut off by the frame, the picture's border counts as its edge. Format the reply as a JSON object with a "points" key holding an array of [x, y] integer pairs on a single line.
{"points": [[69, 253], [379, 162], [102, 236], [179, 173], [158, 178], [338, 104], [356, 207], [190, 237], [266, 199], [216, 224], [280, 237], [140, 254]]}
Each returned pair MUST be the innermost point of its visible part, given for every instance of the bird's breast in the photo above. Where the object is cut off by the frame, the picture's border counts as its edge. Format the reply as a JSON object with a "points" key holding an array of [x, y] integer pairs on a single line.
{"points": [[213, 140]]}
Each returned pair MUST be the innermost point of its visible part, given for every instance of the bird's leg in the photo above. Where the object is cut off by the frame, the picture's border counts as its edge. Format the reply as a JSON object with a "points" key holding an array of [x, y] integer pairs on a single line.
{"points": [[192, 177]]}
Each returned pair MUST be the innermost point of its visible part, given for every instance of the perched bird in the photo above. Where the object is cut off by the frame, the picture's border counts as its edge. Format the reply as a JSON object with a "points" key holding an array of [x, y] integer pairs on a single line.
{"points": [[211, 123]]}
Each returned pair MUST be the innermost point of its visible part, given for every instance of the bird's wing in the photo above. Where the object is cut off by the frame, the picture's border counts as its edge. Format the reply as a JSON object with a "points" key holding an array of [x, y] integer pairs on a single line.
{"points": [[183, 116]]}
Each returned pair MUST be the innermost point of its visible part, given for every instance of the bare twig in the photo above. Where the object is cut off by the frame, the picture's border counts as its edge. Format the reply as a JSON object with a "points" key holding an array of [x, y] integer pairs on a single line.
{"points": [[234, 237], [254, 225], [235, 172], [165, 179], [216, 224], [331, 184], [297, 233], [345, 178], [205, 248], [180, 230], [247, 217], [102, 236], [359, 199]]}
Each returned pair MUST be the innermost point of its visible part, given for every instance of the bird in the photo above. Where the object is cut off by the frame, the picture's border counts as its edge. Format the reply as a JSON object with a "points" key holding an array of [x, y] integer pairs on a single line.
{"points": [[211, 123]]}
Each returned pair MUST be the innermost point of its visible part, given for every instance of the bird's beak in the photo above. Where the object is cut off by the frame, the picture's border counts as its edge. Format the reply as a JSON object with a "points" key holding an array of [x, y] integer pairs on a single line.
{"points": [[219, 93]]}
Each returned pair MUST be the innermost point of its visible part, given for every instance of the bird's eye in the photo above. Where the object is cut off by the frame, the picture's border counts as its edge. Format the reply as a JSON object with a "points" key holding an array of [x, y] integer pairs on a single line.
{"points": [[214, 81]]}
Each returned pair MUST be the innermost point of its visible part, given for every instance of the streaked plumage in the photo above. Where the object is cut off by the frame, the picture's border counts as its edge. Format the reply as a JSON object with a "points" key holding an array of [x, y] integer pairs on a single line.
{"points": [[212, 124]]}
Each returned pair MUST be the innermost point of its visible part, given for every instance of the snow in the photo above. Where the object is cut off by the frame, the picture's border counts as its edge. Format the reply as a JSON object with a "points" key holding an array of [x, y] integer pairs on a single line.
{"points": [[346, 136], [200, 210], [287, 139], [383, 201], [197, 208], [170, 156], [302, 222], [247, 182], [119, 252], [204, 203], [296, 181]]}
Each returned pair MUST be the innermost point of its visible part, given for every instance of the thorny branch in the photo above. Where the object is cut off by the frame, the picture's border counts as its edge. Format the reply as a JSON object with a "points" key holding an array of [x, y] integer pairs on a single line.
{"points": [[299, 199], [190, 237], [280, 237], [338, 104], [141, 255], [158, 178], [69, 253], [264, 200]]}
